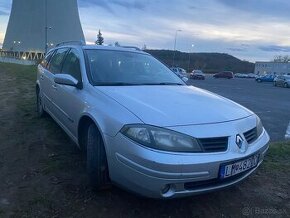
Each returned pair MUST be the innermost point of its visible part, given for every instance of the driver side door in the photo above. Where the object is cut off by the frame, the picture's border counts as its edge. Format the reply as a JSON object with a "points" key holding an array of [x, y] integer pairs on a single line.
{"points": [[69, 99]]}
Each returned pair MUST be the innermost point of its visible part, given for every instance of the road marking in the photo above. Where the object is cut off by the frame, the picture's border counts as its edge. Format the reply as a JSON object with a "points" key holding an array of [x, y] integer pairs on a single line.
{"points": [[287, 135]]}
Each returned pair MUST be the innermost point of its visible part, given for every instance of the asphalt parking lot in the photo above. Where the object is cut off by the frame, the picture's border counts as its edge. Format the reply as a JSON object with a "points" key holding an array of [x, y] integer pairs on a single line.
{"points": [[272, 104], [43, 174]]}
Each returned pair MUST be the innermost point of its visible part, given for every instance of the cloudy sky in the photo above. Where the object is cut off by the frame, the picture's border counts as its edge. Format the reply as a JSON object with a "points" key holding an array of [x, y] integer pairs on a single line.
{"points": [[248, 29]]}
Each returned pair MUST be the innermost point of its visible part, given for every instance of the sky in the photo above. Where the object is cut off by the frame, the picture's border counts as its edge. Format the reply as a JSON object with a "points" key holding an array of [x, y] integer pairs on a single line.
{"points": [[252, 30]]}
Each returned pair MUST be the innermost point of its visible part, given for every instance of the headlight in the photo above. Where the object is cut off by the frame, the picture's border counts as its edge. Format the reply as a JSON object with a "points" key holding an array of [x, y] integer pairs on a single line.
{"points": [[260, 127], [161, 139]]}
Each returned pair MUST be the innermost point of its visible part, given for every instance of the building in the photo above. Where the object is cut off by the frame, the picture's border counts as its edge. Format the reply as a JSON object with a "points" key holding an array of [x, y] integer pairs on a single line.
{"points": [[275, 68], [37, 25]]}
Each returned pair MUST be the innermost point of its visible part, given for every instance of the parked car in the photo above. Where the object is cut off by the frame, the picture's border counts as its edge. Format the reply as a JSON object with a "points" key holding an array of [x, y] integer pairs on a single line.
{"points": [[224, 74], [119, 105], [197, 75], [265, 78], [283, 81], [180, 72], [252, 76]]}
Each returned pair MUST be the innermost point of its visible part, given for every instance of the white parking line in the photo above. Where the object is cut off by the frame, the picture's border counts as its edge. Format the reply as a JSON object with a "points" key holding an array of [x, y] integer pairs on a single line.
{"points": [[287, 135]]}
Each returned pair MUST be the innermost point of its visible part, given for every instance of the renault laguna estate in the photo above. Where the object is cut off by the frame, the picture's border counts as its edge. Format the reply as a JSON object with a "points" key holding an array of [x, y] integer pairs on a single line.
{"points": [[142, 128]]}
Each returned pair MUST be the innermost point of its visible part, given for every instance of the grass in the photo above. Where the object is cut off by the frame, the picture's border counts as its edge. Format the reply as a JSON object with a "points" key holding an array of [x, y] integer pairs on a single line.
{"points": [[20, 71], [278, 157], [25, 76]]}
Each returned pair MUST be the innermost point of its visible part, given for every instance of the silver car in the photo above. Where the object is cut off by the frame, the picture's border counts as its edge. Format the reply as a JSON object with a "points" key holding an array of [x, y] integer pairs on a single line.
{"points": [[283, 81], [142, 128]]}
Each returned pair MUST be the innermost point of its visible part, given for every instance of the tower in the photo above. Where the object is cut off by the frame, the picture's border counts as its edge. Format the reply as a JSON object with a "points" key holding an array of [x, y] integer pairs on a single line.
{"points": [[37, 25]]}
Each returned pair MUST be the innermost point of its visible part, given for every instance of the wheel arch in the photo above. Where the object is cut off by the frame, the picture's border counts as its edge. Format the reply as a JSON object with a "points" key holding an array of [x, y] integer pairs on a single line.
{"points": [[83, 124]]}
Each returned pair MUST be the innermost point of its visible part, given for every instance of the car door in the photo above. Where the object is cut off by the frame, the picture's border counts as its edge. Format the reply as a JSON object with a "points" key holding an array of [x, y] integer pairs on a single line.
{"points": [[68, 99], [54, 67], [42, 77], [279, 80]]}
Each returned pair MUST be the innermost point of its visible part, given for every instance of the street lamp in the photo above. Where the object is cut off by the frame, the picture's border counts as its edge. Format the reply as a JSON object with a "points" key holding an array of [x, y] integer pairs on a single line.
{"points": [[192, 46], [46, 28], [175, 46]]}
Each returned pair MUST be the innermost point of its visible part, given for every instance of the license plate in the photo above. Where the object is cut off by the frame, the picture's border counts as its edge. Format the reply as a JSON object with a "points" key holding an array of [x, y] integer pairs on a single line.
{"points": [[239, 166]]}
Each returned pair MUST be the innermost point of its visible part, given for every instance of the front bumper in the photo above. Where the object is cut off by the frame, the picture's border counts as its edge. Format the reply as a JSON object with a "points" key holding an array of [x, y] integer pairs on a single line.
{"points": [[159, 174]]}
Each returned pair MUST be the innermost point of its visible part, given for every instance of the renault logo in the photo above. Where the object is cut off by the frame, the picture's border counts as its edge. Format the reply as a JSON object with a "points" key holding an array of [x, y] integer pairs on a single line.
{"points": [[241, 143]]}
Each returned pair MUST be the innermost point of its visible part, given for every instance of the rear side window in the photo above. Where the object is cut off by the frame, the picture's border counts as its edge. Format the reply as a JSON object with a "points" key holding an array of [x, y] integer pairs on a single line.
{"points": [[57, 59], [46, 60], [72, 66]]}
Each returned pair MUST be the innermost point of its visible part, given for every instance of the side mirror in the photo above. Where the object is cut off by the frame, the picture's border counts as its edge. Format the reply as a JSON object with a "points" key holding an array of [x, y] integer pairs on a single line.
{"points": [[68, 80], [185, 79]]}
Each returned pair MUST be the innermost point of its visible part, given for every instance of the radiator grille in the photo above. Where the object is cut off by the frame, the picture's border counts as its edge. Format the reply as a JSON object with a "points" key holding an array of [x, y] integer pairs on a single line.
{"points": [[251, 135], [214, 144]]}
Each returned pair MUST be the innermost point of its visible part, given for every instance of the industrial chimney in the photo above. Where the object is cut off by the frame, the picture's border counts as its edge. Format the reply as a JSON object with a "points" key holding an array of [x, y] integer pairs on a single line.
{"points": [[37, 25]]}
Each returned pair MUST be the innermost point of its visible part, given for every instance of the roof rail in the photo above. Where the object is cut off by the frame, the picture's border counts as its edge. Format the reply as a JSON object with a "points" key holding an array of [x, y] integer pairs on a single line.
{"points": [[133, 47], [71, 43]]}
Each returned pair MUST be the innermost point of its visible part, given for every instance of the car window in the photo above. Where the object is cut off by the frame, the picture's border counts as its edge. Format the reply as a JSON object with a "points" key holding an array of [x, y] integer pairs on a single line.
{"points": [[72, 66], [56, 62], [46, 60]]}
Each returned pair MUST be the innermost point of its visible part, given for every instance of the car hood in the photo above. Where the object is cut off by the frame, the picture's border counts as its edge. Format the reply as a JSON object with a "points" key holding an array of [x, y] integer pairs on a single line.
{"points": [[175, 105]]}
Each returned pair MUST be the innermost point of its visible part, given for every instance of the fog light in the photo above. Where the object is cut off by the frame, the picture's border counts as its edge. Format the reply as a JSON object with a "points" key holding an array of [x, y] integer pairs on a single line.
{"points": [[165, 189]]}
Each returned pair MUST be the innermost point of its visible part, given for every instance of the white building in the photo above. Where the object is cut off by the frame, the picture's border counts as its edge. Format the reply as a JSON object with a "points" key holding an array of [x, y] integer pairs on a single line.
{"points": [[275, 68]]}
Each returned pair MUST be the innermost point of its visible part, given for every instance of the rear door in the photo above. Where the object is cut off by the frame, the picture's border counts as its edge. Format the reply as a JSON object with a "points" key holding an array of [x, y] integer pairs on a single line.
{"points": [[54, 67], [279, 80], [68, 99], [42, 75]]}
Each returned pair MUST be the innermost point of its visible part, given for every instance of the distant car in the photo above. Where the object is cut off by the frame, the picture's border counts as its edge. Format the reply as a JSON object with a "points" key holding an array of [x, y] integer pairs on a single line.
{"points": [[283, 81], [266, 78], [224, 74], [180, 72], [197, 75], [239, 75]]}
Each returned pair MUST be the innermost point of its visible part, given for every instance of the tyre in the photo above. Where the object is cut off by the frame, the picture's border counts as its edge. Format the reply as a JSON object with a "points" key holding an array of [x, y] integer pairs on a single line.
{"points": [[275, 84], [285, 85], [259, 81], [39, 105], [97, 166]]}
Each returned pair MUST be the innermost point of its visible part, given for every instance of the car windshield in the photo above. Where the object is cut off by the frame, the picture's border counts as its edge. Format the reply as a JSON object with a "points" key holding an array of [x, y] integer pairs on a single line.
{"points": [[122, 68]]}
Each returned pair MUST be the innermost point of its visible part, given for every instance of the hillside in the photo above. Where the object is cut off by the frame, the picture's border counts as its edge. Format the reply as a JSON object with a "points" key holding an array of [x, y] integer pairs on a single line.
{"points": [[208, 62]]}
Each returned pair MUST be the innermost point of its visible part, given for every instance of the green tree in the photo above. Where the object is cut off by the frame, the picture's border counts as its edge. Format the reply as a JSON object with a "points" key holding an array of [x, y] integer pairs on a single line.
{"points": [[100, 38]]}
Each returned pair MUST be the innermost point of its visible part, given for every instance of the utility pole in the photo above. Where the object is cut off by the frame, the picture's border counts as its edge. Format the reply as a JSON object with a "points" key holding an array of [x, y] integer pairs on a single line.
{"points": [[45, 14], [192, 46], [173, 62]]}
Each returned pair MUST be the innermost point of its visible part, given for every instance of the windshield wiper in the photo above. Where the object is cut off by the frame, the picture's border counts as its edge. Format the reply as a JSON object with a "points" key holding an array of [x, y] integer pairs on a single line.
{"points": [[164, 84], [138, 84], [116, 84]]}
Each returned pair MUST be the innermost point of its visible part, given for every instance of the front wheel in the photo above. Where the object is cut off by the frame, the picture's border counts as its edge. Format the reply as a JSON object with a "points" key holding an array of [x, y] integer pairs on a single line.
{"points": [[285, 85], [275, 84], [97, 165]]}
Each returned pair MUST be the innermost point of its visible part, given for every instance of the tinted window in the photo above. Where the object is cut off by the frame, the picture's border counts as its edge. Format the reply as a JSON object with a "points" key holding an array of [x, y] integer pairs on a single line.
{"points": [[56, 62], [72, 66], [46, 60], [115, 67]]}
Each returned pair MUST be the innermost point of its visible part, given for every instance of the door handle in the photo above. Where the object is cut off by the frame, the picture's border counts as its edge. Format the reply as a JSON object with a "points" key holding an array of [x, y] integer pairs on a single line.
{"points": [[54, 87]]}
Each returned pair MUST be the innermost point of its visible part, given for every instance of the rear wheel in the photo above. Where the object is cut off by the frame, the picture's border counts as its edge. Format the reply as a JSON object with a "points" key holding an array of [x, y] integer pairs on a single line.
{"points": [[97, 165], [39, 104], [275, 84], [259, 81]]}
